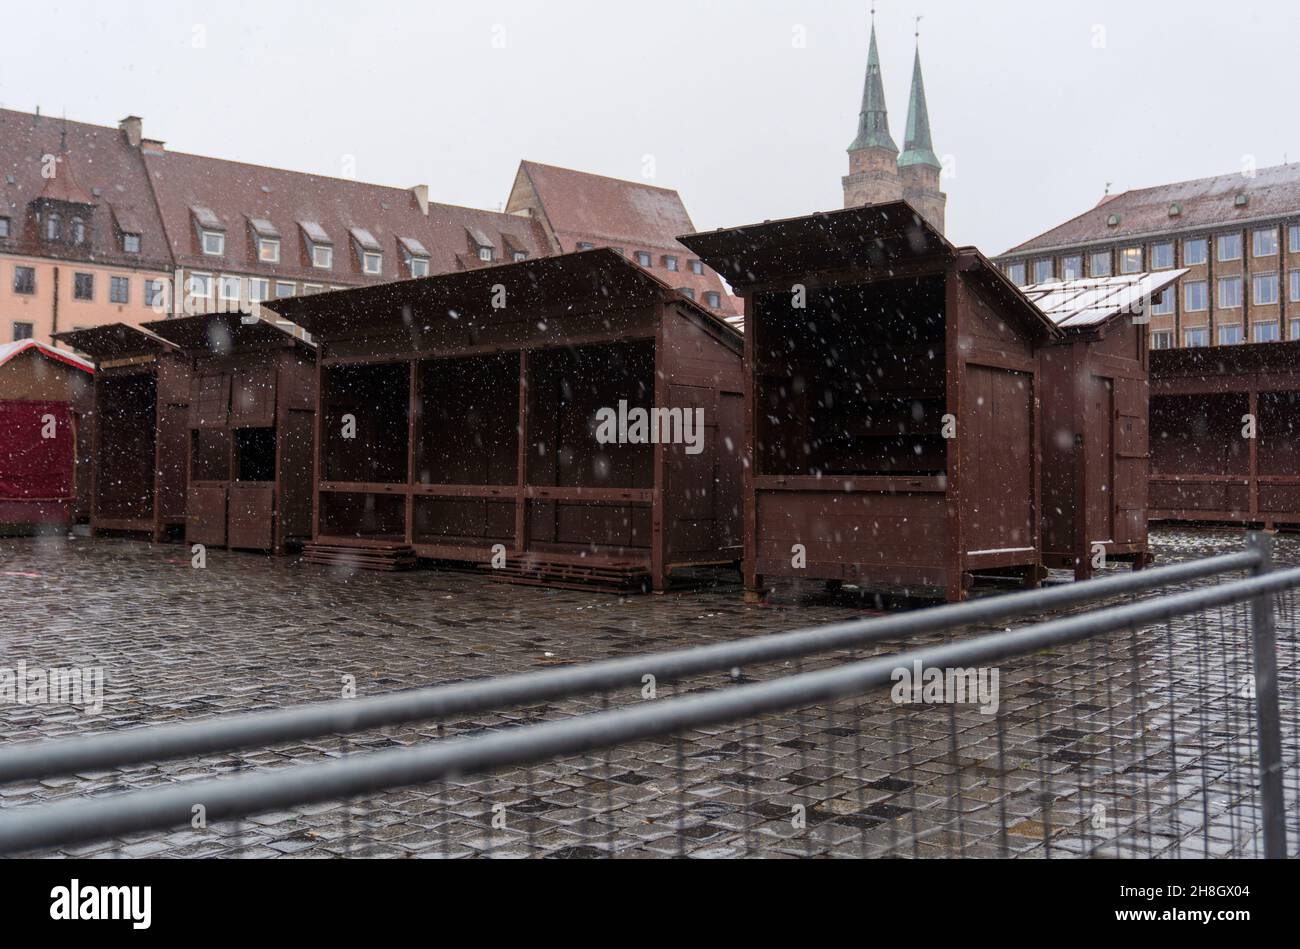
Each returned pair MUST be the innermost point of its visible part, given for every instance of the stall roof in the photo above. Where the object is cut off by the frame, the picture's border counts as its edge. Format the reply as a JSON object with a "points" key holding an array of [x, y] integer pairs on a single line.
{"points": [[115, 341], [543, 281], [9, 350], [1091, 301], [873, 237], [219, 333], [1232, 359]]}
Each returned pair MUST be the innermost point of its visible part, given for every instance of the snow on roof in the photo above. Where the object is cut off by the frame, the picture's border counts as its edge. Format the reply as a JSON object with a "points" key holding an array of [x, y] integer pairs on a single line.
{"points": [[1092, 301], [9, 350]]}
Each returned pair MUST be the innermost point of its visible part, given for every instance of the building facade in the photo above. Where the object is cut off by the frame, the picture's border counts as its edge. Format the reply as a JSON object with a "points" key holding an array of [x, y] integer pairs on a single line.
{"points": [[101, 225], [878, 172], [1237, 235]]}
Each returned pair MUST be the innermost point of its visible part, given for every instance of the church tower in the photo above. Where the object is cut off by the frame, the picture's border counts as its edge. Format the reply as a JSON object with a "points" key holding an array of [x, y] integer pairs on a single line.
{"points": [[918, 167], [873, 156]]}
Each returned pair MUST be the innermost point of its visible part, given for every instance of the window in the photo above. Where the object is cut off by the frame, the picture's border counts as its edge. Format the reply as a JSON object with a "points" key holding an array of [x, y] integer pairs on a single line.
{"points": [[1263, 289], [200, 285], [1195, 296], [1295, 286], [4, 227], [24, 280], [53, 227], [1229, 335], [231, 288], [1295, 329], [83, 286], [268, 250], [154, 294], [486, 254], [643, 258], [1265, 242], [1072, 268], [258, 289], [119, 289], [1195, 251], [1195, 338], [1162, 339], [322, 256], [670, 263], [1130, 260], [583, 245], [23, 331], [520, 255], [1016, 274], [1163, 303], [373, 263], [697, 267], [1294, 241], [214, 243], [1162, 256], [713, 299], [1044, 271], [1229, 247], [419, 266], [1229, 292], [1099, 264], [309, 288], [78, 231], [1266, 332], [130, 243], [284, 289], [690, 294]]}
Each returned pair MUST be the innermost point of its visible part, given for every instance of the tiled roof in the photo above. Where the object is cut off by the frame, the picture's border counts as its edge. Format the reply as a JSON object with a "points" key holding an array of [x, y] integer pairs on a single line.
{"points": [[245, 199], [578, 208], [1205, 202], [99, 167]]}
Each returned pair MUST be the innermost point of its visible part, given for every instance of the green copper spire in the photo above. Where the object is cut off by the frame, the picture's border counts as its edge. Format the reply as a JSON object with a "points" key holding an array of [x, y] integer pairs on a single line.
{"points": [[917, 147], [873, 123]]}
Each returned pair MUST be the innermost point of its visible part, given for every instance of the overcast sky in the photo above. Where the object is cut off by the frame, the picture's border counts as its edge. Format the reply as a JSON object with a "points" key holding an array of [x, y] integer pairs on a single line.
{"points": [[746, 106]]}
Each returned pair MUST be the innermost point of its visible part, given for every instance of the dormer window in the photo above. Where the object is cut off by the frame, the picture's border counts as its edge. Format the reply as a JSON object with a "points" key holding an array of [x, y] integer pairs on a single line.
{"points": [[319, 245], [486, 254], [415, 256], [130, 243], [53, 227], [212, 233], [214, 243], [481, 245], [322, 256], [519, 255], [268, 250], [372, 257], [78, 231], [372, 263], [419, 266]]}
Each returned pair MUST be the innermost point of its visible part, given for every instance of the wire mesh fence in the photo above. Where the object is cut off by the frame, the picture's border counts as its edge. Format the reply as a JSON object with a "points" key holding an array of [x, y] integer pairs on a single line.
{"points": [[1130, 731]]}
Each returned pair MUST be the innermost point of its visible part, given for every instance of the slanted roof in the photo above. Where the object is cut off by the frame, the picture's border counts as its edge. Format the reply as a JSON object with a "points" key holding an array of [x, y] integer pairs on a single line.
{"points": [[1092, 301], [1202, 203], [9, 350], [115, 341], [219, 333], [875, 237], [574, 279], [1235, 360]]}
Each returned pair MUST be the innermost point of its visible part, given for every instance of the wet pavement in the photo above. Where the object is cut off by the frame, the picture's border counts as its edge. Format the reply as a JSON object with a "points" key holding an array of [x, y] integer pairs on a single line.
{"points": [[1140, 744]]}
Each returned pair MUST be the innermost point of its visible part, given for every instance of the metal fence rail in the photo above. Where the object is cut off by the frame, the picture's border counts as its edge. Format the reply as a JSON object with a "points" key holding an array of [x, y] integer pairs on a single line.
{"points": [[1151, 728]]}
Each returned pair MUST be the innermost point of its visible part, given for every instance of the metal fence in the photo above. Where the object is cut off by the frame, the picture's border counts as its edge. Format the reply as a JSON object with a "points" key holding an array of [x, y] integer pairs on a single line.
{"points": [[1163, 724]]}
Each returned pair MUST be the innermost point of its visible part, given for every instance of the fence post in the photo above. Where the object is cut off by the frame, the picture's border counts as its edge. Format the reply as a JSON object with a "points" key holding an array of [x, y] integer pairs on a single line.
{"points": [[1266, 705]]}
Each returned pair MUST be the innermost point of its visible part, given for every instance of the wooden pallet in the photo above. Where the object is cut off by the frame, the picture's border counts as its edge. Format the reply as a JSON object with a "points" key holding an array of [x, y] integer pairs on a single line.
{"points": [[361, 556], [624, 577]]}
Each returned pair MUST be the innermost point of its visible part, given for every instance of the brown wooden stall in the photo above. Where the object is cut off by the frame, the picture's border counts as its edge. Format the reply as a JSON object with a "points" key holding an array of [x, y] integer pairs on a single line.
{"points": [[46, 432], [1204, 464], [142, 396], [1094, 402], [891, 403], [249, 431], [475, 399]]}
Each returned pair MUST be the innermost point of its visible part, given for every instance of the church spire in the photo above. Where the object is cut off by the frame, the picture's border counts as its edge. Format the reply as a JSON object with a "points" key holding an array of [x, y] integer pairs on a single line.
{"points": [[917, 147], [873, 122]]}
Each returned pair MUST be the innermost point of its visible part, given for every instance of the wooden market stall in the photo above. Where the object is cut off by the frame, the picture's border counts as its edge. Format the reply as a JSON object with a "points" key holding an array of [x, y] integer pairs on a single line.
{"points": [[462, 420], [1225, 434], [891, 402], [249, 431], [46, 396], [1094, 402], [142, 394]]}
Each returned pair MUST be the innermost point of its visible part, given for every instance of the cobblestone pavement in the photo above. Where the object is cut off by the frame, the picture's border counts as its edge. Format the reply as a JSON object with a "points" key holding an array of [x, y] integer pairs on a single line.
{"points": [[1130, 746]]}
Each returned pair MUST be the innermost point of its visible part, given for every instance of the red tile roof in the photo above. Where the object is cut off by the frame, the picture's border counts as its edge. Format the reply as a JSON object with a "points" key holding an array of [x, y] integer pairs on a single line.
{"points": [[97, 159], [295, 204], [578, 207], [1205, 202]]}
